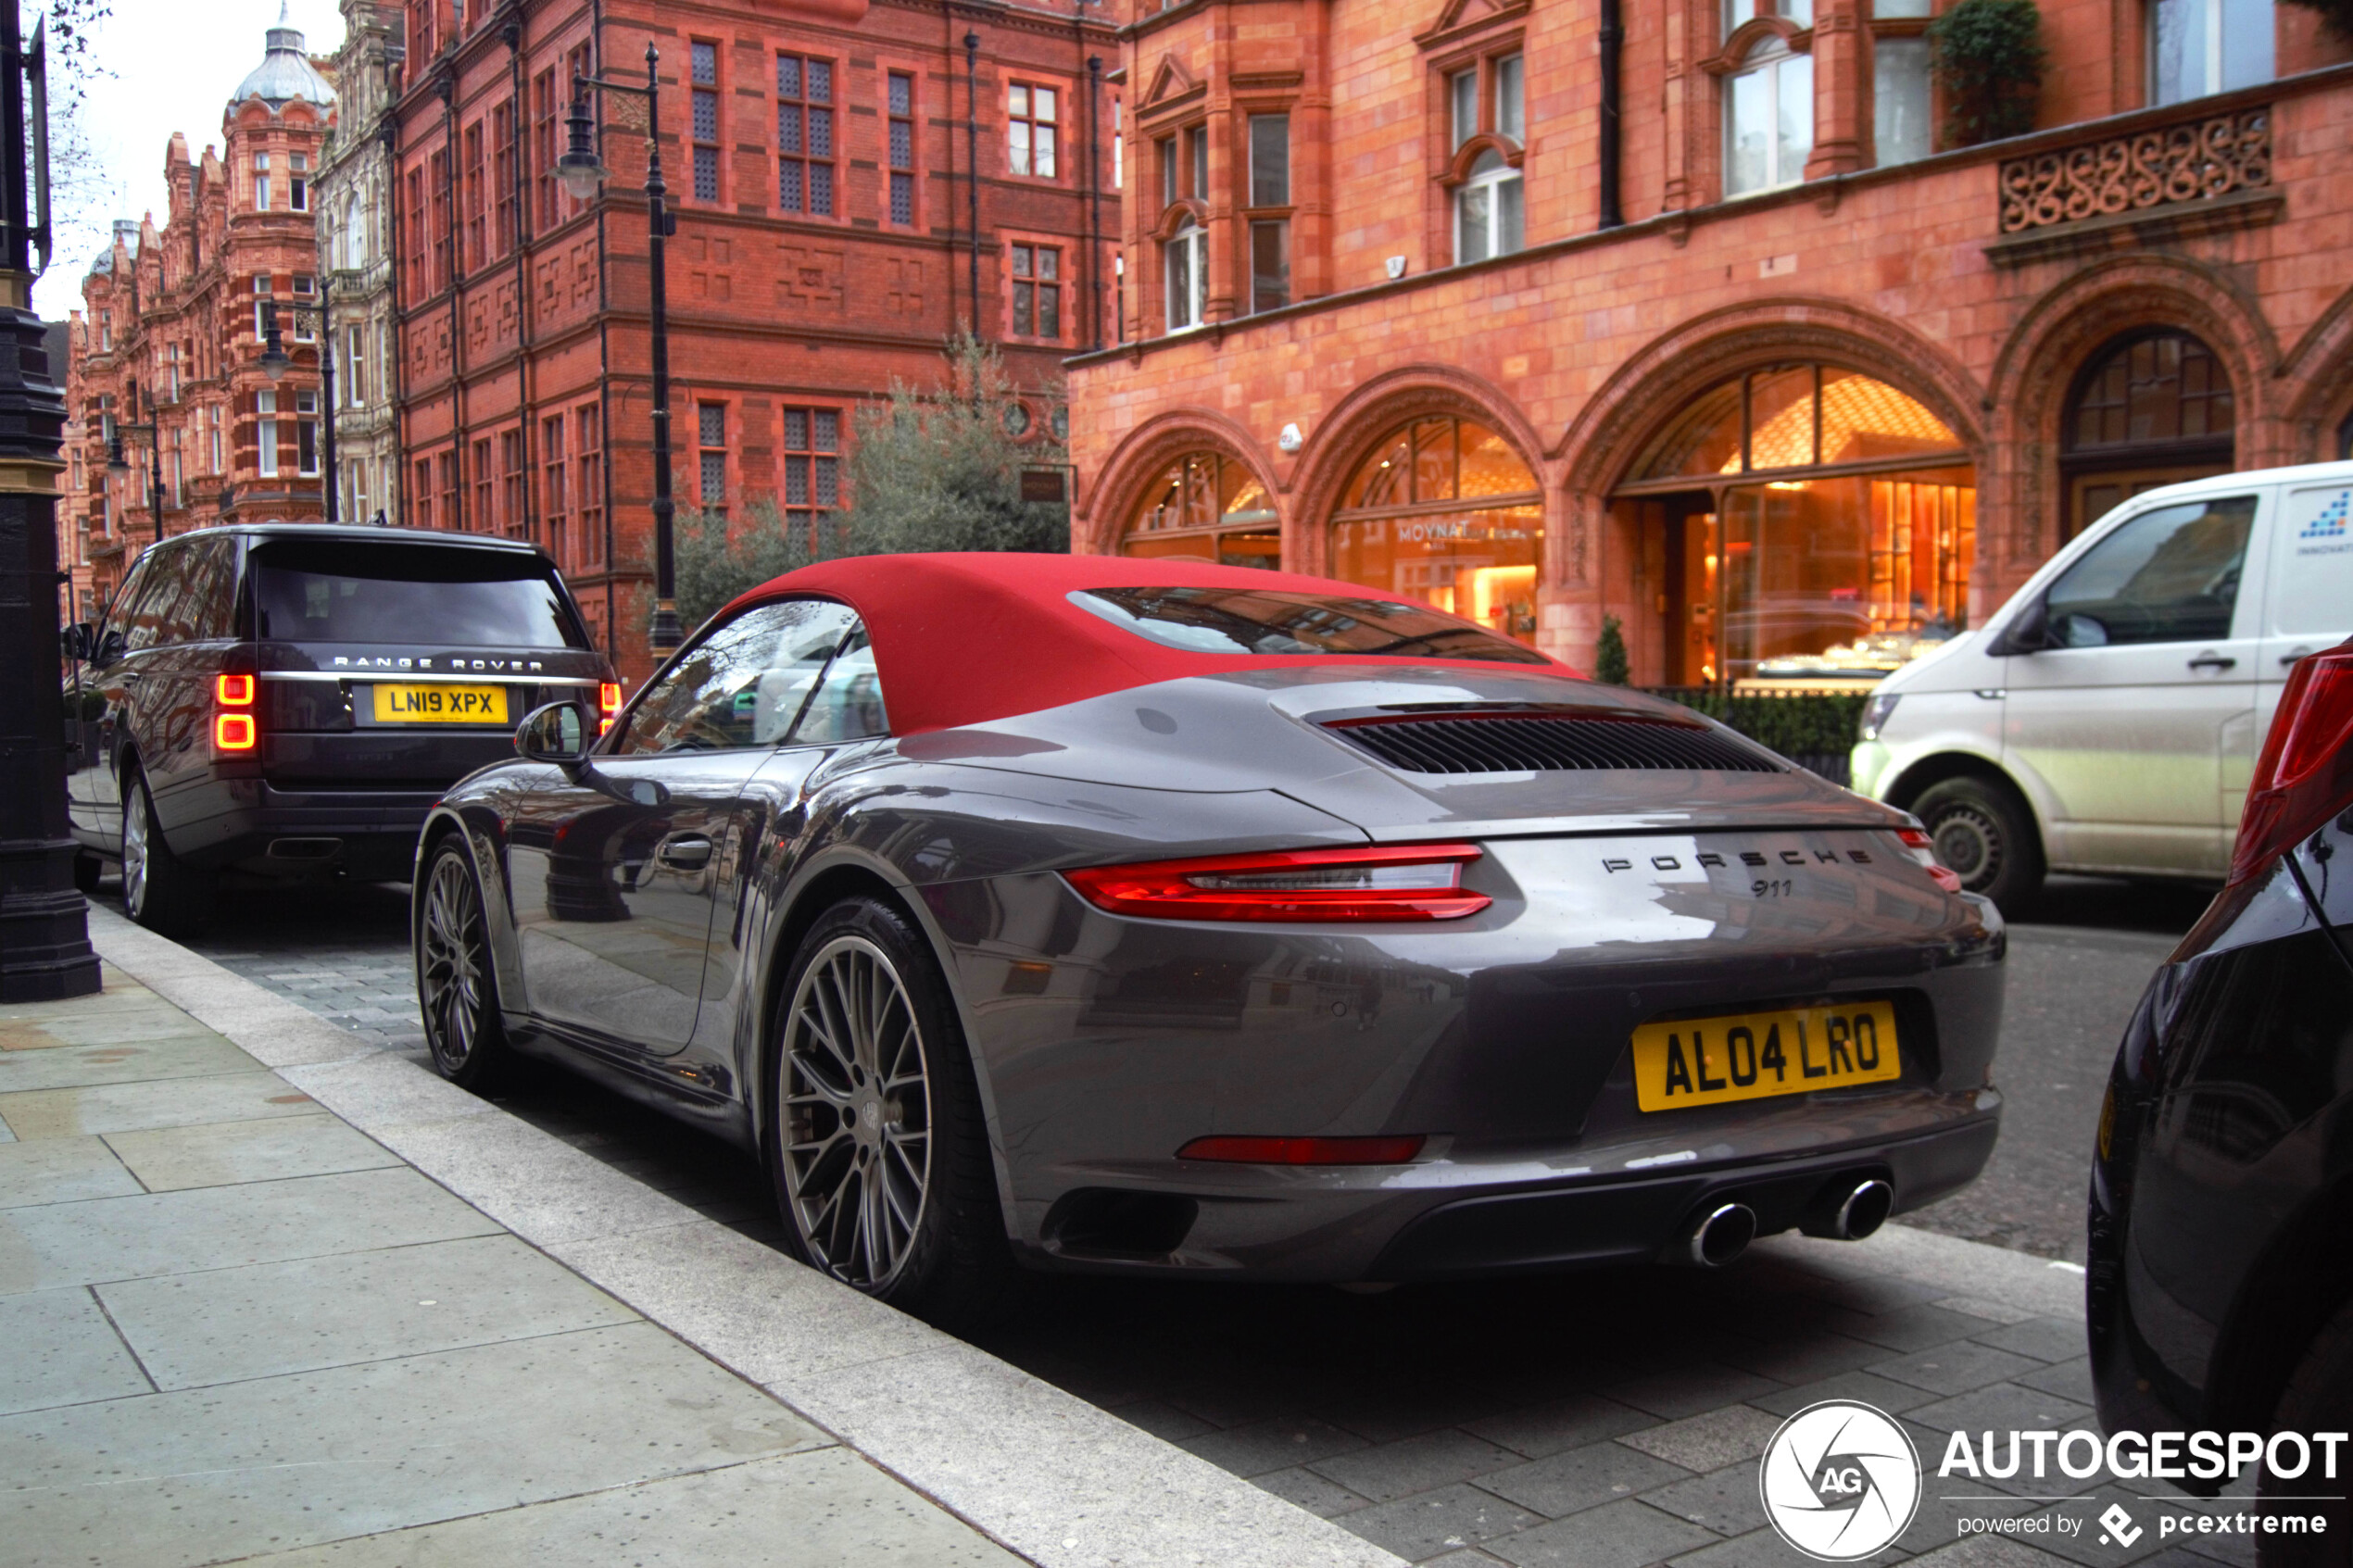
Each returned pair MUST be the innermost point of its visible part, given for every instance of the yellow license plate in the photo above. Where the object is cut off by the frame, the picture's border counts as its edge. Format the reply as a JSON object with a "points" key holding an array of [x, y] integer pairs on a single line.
{"points": [[1749, 1056], [441, 705]]}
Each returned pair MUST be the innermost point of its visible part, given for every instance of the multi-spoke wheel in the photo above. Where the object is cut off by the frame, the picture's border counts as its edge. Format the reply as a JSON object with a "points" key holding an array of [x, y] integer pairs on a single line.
{"points": [[857, 1113], [878, 1145], [159, 890], [1984, 832], [455, 985]]}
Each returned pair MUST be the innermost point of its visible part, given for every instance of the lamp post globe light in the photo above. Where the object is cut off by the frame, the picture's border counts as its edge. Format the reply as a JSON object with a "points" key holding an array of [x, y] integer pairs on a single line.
{"points": [[583, 173]]}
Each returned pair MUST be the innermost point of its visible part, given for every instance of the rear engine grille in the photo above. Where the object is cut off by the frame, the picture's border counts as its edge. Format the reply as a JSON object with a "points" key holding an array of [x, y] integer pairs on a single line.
{"points": [[1536, 743]]}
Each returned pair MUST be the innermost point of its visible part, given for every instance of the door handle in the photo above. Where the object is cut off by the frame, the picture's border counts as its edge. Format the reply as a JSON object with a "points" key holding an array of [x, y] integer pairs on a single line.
{"points": [[2288, 659], [2213, 662], [688, 854]]}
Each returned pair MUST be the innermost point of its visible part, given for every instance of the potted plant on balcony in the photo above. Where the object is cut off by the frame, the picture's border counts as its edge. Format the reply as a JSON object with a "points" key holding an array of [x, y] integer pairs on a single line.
{"points": [[1989, 59]]}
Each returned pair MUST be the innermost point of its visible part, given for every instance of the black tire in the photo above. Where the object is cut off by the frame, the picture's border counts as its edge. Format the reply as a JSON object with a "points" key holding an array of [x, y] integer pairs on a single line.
{"points": [[159, 890], [87, 870], [1985, 833], [2319, 1399], [879, 1153], [457, 984]]}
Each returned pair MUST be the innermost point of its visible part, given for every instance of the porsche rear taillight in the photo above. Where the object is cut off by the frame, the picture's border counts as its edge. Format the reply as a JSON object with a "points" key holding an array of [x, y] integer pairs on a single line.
{"points": [[1922, 849], [233, 726], [1409, 882], [608, 704], [2305, 775]]}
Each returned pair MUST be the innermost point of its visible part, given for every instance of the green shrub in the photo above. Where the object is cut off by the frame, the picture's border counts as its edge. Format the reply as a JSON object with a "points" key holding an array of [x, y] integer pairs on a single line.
{"points": [[1609, 656], [1800, 725], [1989, 59]]}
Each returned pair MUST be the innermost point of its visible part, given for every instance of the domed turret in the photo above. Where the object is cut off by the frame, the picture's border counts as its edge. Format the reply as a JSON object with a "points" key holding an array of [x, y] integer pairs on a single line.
{"points": [[286, 72]]}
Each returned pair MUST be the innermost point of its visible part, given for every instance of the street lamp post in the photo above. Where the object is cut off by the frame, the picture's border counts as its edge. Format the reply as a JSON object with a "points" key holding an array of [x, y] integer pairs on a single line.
{"points": [[581, 173], [116, 463], [44, 936], [276, 362]]}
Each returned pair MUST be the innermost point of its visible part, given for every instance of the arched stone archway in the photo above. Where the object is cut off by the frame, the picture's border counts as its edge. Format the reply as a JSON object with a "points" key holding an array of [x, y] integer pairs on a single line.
{"points": [[2046, 355], [1141, 463], [2317, 387]]}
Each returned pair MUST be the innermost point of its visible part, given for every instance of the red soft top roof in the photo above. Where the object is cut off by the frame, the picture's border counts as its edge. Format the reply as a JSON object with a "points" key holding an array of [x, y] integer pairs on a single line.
{"points": [[963, 639]]}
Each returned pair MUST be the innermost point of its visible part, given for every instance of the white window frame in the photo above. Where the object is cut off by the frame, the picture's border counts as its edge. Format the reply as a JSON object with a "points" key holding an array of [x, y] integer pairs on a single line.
{"points": [[297, 183], [266, 434], [2216, 29], [355, 365], [1775, 63], [261, 181], [1187, 248], [1490, 184], [305, 297], [1886, 110], [261, 298], [306, 463]]}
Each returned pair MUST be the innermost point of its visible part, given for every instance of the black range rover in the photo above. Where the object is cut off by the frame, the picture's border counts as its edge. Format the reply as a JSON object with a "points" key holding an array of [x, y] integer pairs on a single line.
{"points": [[290, 698]]}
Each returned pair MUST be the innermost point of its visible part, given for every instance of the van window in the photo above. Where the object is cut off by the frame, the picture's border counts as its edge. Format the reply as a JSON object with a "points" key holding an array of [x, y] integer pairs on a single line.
{"points": [[2316, 575], [2170, 575], [343, 591]]}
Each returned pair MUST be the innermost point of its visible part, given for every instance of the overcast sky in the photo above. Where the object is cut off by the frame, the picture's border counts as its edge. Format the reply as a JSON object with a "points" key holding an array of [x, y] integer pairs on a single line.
{"points": [[175, 64]]}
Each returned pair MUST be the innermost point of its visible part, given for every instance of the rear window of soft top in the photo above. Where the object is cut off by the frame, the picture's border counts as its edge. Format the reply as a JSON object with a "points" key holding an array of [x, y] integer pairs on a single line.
{"points": [[1281, 621], [345, 591]]}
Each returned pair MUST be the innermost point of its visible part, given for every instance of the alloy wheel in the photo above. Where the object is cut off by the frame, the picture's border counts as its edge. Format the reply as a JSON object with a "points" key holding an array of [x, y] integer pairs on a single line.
{"points": [[456, 959], [136, 831], [857, 1114]]}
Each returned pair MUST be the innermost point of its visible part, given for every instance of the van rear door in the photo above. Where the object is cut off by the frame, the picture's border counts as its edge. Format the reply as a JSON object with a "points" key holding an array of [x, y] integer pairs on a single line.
{"points": [[2309, 606]]}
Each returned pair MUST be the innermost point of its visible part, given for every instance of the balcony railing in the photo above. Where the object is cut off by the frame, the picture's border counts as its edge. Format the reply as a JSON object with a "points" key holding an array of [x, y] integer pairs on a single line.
{"points": [[2194, 161]]}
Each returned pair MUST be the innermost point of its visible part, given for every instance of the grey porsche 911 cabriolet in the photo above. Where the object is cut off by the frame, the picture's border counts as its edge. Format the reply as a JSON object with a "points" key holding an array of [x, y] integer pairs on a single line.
{"points": [[1086, 912]]}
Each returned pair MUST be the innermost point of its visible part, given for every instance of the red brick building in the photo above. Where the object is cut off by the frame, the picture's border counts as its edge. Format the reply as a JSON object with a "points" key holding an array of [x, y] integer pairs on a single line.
{"points": [[1826, 378], [830, 233], [169, 335]]}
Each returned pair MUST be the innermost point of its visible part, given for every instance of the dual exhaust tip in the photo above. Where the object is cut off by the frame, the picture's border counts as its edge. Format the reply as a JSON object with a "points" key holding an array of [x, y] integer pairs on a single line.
{"points": [[1719, 1231]]}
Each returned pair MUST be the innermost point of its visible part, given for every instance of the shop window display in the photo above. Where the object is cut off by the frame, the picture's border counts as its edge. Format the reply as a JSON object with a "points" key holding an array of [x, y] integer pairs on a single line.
{"points": [[1446, 511], [1804, 524]]}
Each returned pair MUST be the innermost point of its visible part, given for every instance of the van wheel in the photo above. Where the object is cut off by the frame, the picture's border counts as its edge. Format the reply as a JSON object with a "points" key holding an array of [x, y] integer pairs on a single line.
{"points": [[2319, 1398], [159, 890], [1983, 832]]}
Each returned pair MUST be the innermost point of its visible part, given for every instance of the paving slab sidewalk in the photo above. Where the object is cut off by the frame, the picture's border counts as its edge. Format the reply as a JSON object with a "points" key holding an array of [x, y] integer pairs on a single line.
{"points": [[269, 1292]]}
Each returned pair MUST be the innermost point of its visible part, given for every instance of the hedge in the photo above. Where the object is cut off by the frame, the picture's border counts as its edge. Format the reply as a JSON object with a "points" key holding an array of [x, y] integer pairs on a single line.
{"points": [[1816, 730]]}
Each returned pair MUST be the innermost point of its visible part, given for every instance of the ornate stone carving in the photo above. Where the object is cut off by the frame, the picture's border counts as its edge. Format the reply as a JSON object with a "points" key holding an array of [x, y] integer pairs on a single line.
{"points": [[2190, 162]]}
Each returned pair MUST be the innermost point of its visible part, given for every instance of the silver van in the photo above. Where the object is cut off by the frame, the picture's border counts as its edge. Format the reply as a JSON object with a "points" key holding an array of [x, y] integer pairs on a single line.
{"points": [[2106, 719]]}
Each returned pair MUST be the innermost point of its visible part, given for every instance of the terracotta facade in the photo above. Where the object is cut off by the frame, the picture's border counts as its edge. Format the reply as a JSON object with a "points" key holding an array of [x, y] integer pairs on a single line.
{"points": [[169, 335], [1984, 346], [819, 164]]}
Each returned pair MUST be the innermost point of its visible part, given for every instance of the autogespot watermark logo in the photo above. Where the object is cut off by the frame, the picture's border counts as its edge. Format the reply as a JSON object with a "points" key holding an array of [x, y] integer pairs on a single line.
{"points": [[1841, 1481]]}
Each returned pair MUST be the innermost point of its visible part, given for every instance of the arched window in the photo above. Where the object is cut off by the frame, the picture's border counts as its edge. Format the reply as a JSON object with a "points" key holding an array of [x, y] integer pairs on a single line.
{"points": [[1446, 511], [1205, 506], [1187, 254], [1488, 210], [2155, 408], [1769, 119], [1799, 523]]}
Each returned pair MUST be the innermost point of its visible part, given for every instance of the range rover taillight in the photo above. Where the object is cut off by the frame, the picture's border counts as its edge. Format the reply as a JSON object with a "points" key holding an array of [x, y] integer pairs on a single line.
{"points": [[233, 726], [608, 704]]}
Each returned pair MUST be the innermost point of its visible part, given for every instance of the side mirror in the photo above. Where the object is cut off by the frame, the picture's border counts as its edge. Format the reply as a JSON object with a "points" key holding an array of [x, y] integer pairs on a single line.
{"points": [[555, 731], [2029, 633], [79, 639]]}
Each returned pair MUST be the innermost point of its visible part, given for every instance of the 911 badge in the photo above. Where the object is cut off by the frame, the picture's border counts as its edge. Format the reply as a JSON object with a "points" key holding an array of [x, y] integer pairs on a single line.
{"points": [[1840, 1481]]}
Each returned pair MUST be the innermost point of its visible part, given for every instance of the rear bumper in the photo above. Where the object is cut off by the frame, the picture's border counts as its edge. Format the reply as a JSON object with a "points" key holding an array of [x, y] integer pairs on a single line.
{"points": [[353, 802]]}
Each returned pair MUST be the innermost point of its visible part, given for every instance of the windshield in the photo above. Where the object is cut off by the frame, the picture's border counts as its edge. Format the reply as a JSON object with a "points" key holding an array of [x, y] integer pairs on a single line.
{"points": [[339, 590], [1281, 621]]}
